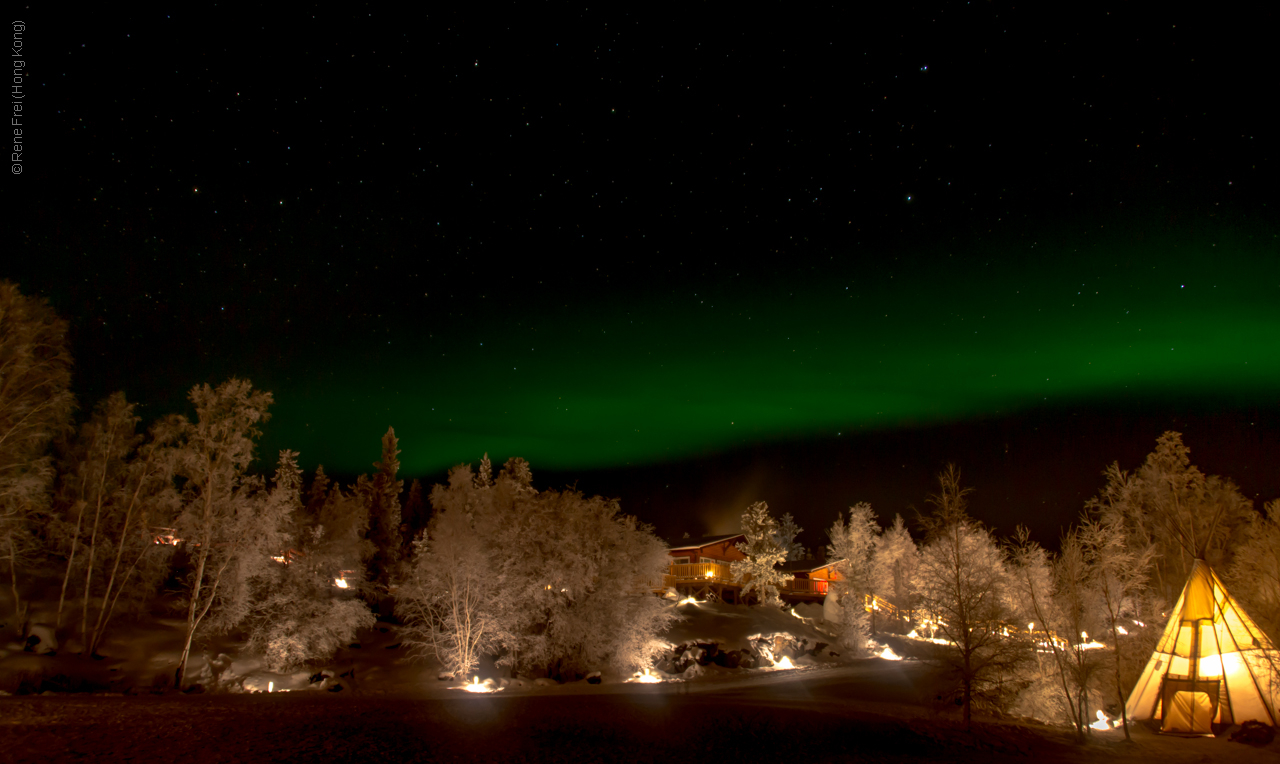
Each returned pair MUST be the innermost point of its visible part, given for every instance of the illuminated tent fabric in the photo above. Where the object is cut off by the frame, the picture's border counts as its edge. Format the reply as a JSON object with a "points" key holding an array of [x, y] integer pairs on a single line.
{"points": [[1213, 664]]}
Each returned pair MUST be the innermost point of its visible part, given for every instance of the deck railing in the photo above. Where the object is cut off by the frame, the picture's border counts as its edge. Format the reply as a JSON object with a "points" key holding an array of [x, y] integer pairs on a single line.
{"points": [[806, 586], [715, 572]]}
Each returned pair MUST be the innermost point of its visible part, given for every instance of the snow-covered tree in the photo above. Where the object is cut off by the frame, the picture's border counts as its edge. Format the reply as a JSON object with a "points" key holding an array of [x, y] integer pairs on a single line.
{"points": [[850, 551], [1187, 515], [1254, 577], [1118, 574], [484, 478], [114, 485], [764, 551], [1039, 601], [961, 583], [574, 568], [787, 532], [35, 406], [299, 615], [448, 597], [557, 572], [893, 562], [226, 522]]}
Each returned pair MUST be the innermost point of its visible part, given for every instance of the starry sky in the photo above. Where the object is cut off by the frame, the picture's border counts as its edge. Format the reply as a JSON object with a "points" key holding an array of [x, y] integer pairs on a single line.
{"points": [[688, 259]]}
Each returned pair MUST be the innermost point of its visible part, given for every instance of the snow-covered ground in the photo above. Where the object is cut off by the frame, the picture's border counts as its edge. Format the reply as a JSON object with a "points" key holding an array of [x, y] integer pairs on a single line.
{"points": [[828, 708]]}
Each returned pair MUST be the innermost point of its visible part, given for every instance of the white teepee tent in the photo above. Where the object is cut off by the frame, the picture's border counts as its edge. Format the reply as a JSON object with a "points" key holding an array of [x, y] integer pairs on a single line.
{"points": [[1213, 664]]}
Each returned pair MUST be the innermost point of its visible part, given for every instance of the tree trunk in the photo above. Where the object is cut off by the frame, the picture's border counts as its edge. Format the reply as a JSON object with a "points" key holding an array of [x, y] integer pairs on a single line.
{"points": [[98, 627], [19, 608], [66, 577], [1124, 712], [191, 617]]}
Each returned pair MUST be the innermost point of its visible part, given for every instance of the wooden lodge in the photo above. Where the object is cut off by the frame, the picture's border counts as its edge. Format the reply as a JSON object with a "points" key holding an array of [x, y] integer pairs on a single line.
{"points": [[701, 569]]}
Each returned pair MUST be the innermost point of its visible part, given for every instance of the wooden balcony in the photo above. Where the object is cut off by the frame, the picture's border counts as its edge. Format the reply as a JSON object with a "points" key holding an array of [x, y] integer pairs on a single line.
{"points": [[817, 587], [699, 572]]}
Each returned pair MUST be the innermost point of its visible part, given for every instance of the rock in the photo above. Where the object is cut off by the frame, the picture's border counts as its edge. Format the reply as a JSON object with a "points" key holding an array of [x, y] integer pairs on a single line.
{"points": [[194, 689], [594, 678], [1254, 732], [543, 681], [41, 640]]}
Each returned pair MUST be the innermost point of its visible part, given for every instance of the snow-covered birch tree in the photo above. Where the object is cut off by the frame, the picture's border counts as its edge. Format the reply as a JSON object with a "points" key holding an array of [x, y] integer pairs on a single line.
{"points": [[115, 486], [35, 406], [1047, 608], [764, 551], [960, 583], [227, 526], [1118, 573], [448, 599]]}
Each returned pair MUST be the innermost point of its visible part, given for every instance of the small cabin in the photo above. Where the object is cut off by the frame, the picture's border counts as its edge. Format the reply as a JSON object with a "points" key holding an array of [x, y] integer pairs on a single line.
{"points": [[808, 580]]}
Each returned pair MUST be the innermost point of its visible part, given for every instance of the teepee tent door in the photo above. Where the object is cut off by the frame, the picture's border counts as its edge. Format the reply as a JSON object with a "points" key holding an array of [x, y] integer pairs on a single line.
{"points": [[1189, 707]]}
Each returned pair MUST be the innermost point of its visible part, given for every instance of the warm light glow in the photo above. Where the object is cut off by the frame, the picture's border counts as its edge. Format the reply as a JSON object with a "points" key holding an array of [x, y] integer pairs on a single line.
{"points": [[646, 677], [1084, 635], [478, 686], [1031, 626], [710, 574], [785, 663], [1103, 722], [341, 583], [271, 686], [888, 654], [1122, 630], [687, 601]]}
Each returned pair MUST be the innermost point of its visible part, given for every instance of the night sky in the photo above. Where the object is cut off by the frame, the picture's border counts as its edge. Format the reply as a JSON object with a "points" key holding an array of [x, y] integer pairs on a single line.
{"points": [[689, 259]]}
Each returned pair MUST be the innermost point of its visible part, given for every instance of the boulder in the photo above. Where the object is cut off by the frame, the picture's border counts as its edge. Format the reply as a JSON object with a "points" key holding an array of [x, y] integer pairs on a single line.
{"points": [[1254, 732]]}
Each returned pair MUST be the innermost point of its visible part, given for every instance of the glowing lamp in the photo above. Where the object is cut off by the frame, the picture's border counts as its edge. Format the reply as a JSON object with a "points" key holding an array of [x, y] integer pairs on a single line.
{"points": [[647, 677], [341, 583]]}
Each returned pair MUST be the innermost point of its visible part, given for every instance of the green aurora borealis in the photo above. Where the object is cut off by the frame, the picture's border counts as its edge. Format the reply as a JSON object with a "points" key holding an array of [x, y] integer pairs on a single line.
{"points": [[769, 355]]}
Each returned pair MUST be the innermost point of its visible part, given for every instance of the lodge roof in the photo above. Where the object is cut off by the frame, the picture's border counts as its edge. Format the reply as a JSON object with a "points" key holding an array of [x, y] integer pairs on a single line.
{"points": [[706, 541], [805, 566]]}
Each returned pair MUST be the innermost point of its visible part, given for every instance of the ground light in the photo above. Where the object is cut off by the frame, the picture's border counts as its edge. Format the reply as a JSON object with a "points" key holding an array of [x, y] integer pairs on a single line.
{"points": [[645, 677], [1104, 723], [477, 686]]}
